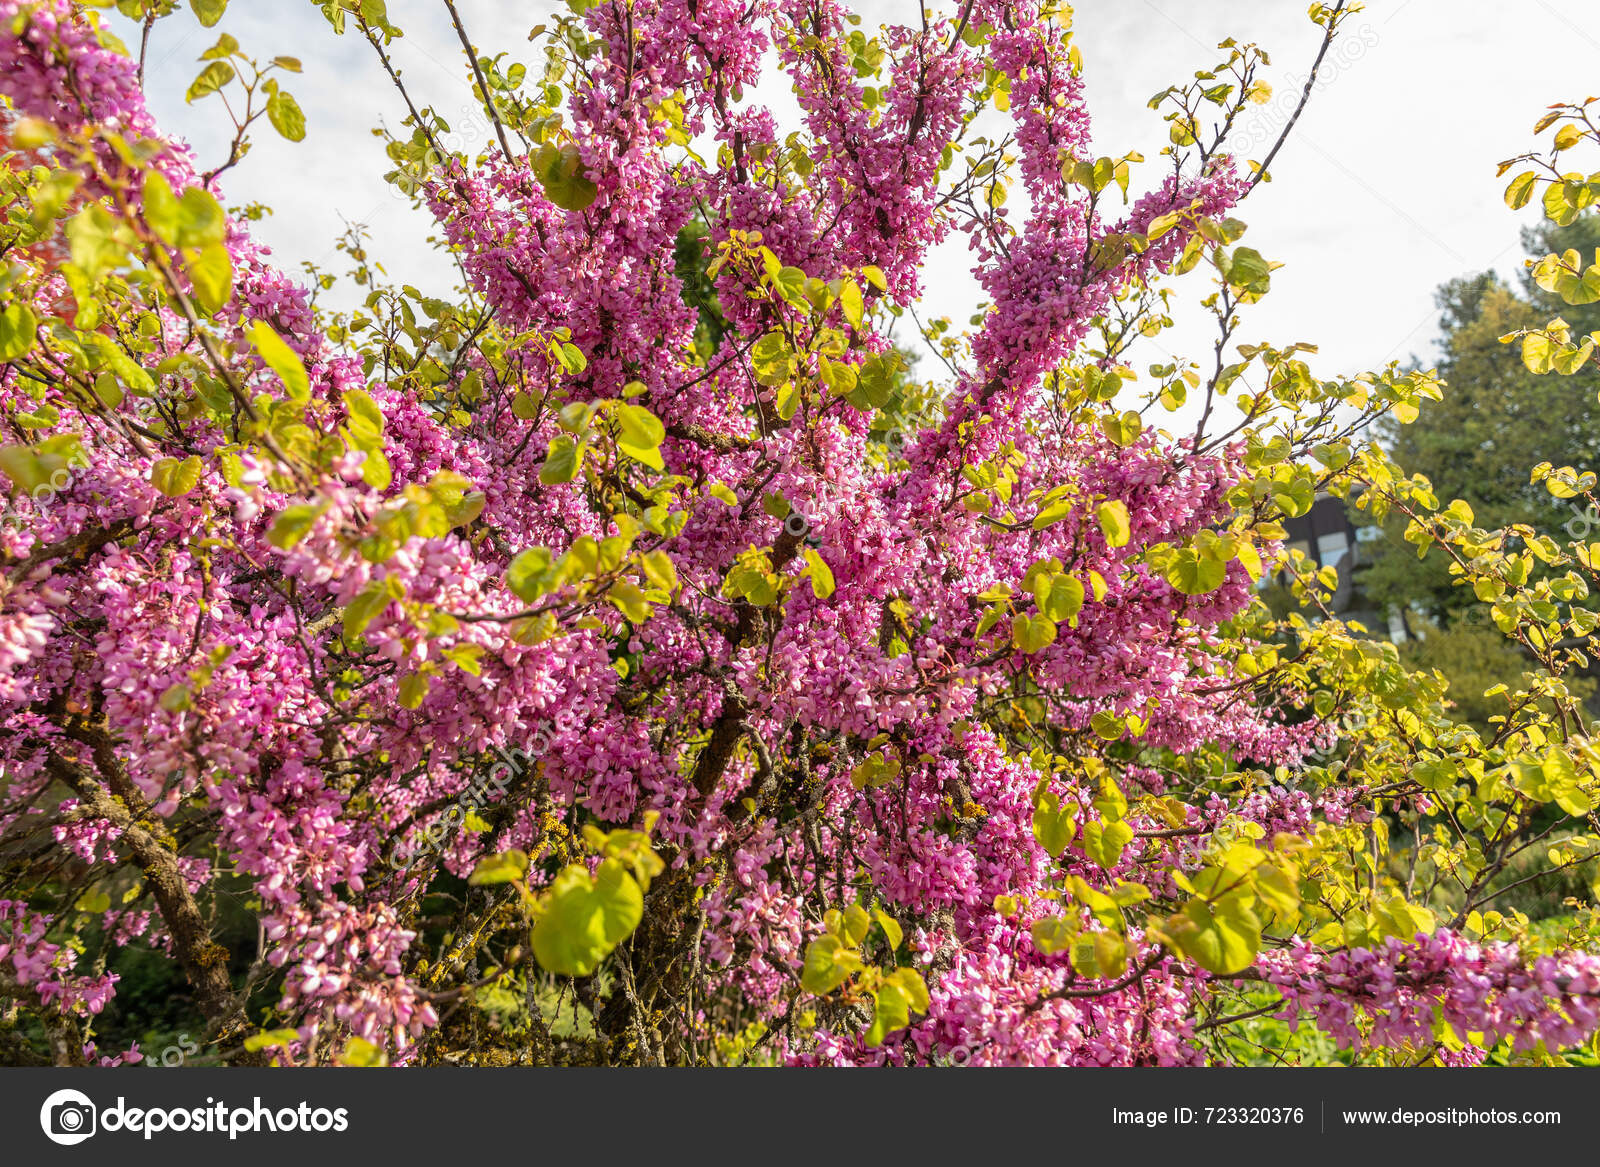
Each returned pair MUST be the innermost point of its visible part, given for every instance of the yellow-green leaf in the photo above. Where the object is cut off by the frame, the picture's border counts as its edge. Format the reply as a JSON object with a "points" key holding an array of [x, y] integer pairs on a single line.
{"points": [[821, 575], [211, 274], [584, 917], [285, 362], [829, 963], [174, 477], [1114, 523]]}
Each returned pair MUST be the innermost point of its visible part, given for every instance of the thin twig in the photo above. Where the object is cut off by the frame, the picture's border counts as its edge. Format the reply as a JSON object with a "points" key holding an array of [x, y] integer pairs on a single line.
{"points": [[483, 86]]}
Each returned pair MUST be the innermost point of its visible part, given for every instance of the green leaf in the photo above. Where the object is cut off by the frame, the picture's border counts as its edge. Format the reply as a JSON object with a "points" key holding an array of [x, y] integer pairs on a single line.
{"points": [[876, 770], [376, 471], [1437, 775], [283, 361], [1520, 190], [201, 220], [1051, 514], [1122, 428], [363, 1054], [1111, 802], [1402, 920], [134, 375], [1221, 938], [791, 283], [850, 925], [584, 917], [560, 171], [18, 329], [1104, 842], [528, 574], [506, 867], [901, 993], [915, 988], [629, 599], [561, 461], [771, 359], [891, 929], [1554, 779], [571, 359], [641, 434], [850, 303], [414, 690], [821, 575], [1053, 827], [22, 466], [1060, 597], [525, 406], [836, 376], [292, 525], [173, 477], [368, 604], [51, 195], [270, 1038], [829, 963], [211, 273], [161, 207], [1296, 496], [1195, 574], [212, 78], [1032, 633], [1277, 891], [177, 698], [365, 419], [1248, 270], [96, 241], [466, 657], [225, 47], [639, 427], [209, 11], [286, 116], [455, 497], [1537, 352], [658, 568], [1104, 955], [1114, 523], [1052, 935]]}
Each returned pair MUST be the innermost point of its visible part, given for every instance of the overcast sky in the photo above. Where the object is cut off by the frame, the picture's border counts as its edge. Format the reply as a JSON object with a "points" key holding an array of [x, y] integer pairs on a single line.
{"points": [[1386, 189]]}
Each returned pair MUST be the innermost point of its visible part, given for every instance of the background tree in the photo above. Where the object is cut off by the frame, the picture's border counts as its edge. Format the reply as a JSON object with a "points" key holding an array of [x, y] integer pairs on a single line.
{"points": [[1498, 419]]}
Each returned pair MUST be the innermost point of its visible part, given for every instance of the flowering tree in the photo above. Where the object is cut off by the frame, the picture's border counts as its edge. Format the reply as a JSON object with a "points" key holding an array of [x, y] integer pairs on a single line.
{"points": [[629, 661]]}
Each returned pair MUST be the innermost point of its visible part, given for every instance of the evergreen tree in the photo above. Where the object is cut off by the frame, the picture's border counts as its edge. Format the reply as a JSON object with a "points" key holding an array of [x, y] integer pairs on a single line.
{"points": [[1497, 420]]}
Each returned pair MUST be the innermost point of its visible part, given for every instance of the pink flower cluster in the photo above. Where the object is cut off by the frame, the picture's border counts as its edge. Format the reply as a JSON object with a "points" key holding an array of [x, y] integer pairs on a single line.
{"points": [[44, 968], [1400, 993]]}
